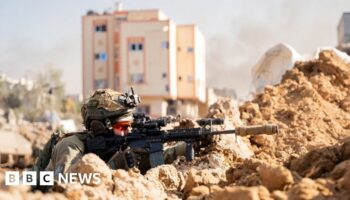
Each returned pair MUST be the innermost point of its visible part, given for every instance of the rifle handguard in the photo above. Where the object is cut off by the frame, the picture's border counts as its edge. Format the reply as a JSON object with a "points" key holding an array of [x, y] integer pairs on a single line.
{"points": [[268, 129]]}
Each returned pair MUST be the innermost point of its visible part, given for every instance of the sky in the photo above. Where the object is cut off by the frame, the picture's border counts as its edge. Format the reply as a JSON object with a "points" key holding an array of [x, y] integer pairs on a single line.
{"points": [[35, 34]]}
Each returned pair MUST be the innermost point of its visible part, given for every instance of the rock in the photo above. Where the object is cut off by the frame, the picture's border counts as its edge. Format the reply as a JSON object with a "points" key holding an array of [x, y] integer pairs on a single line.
{"points": [[198, 193], [91, 163], [275, 177], [225, 108], [168, 176], [242, 193], [345, 150], [279, 195], [344, 182], [196, 178], [309, 189], [77, 192], [340, 169], [244, 173], [316, 162], [345, 104], [135, 187], [263, 140]]}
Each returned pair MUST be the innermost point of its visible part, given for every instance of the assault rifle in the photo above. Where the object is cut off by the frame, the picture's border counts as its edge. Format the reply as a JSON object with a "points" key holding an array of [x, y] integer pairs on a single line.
{"points": [[150, 135]]}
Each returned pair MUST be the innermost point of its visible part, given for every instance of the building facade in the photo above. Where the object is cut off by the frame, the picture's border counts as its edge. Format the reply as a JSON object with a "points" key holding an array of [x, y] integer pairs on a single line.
{"points": [[144, 49]]}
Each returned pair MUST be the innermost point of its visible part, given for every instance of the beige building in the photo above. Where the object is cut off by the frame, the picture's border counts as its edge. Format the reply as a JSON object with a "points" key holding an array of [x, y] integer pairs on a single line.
{"points": [[162, 61]]}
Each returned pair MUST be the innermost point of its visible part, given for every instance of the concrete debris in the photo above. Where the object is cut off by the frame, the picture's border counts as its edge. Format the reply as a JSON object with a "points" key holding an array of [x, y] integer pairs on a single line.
{"points": [[274, 63]]}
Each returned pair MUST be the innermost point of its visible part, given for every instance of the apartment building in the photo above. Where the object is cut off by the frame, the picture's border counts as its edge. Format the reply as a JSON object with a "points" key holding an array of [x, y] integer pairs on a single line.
{"points": [[144, 49]]}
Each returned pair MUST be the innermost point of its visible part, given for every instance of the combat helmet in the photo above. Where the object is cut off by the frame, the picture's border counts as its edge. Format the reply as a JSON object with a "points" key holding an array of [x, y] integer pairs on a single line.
{"points": [[105, 107]]}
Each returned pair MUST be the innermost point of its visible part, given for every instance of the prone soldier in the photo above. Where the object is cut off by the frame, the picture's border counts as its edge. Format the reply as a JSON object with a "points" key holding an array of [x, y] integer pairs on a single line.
{"points": [[108, 119], [104, 111]]}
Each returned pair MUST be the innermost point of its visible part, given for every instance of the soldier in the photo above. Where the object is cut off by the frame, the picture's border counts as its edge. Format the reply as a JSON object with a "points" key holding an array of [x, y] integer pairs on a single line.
{"points": [[104, 110]]}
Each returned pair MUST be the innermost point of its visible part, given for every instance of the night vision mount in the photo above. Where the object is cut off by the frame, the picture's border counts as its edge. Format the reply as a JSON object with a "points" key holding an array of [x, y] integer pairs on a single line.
{"points": [[130, 99]]}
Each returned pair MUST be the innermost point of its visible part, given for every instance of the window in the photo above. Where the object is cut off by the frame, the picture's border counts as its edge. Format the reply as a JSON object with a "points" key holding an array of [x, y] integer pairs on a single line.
{"points": [[97, 56], [136, 47], [133, 47], [190, 49], [165, 45], [100, 84], [140, 47], [164, 75], [167, 87], [103, 56], [180, 78], [179, 49], [121, 18], [137, 78], [101, 28]]}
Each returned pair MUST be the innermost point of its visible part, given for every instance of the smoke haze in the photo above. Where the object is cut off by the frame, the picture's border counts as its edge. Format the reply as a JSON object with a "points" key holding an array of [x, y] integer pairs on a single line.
{"points": [[35, 34]]}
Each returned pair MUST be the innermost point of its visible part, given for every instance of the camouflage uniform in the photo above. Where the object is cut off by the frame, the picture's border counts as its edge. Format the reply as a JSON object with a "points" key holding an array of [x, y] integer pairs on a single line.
{"points": [[62, 152]]}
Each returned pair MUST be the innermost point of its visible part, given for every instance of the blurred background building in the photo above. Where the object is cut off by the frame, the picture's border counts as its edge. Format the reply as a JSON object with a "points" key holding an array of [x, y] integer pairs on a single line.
{"points": [[164, 62], [344, 33]]}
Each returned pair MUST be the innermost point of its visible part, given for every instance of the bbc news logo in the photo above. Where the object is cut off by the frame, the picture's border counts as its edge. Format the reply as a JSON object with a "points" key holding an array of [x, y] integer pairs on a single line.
{"points": [[46, 178]]}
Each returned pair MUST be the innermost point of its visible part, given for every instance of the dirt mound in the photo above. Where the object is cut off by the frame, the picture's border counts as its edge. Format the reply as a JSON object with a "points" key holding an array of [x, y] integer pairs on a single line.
{"points": [[308, 159], [309, 105], [275, 177]]}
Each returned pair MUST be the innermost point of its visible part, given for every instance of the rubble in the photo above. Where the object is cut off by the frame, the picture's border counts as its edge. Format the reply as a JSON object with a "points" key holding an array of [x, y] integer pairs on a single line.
{"points": [[168, 176], [135, 186], [272, 65], [274, 177], [310, 189], [91, 163], [241, 192], [307, 111], [308, 159]]}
